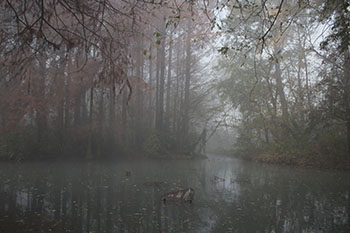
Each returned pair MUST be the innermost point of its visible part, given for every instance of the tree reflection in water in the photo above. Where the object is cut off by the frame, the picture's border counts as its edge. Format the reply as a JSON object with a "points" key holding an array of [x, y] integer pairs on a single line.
{"points": [[71, 197]]}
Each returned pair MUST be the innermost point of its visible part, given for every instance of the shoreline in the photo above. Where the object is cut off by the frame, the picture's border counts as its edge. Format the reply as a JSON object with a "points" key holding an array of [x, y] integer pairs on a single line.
{"points": [[293, 162], [108, 157]]}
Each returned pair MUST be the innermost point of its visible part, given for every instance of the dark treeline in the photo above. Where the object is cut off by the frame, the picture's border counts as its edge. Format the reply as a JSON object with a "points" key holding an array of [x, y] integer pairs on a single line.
{"points": [[91, 78]]}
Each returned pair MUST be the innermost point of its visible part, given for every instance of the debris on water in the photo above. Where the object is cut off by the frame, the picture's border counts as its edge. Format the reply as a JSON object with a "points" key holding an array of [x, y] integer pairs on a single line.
{"points": [[184, 195], [218, 179]]}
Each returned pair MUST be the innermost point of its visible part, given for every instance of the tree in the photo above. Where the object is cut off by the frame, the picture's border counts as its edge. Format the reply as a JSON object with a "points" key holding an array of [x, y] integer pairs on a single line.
{"points": [[271, 76], [337, 43]]}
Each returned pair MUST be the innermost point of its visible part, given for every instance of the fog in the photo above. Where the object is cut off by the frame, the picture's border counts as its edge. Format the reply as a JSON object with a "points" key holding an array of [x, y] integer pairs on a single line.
{"points": [[174, 116]]}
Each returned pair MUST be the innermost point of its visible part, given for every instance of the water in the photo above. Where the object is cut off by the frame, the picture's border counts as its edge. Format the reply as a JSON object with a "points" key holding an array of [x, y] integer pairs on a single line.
{"points": [[230, 196]]}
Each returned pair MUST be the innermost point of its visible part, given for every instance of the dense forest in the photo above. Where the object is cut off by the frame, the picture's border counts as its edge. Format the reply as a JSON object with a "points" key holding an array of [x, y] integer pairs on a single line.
{"points": [[93, 79], [98, 78], [290, 88]]}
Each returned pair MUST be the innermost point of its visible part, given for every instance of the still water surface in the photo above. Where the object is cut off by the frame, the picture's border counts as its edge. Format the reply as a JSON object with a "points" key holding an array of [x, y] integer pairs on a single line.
{"points": [[230, 196]]}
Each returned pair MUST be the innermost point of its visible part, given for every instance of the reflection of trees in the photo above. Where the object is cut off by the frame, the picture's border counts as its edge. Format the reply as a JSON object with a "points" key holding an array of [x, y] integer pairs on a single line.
{"points": [[100, 198], [284, 201], [89, 198]]}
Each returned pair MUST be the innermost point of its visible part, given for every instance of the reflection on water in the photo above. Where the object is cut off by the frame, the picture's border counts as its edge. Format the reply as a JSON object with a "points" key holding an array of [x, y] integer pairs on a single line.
{"points": [[230, 196]]}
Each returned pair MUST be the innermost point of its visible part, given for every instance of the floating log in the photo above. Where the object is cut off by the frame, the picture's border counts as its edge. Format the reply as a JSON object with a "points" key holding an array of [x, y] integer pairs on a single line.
{"points": [[185, 195]]}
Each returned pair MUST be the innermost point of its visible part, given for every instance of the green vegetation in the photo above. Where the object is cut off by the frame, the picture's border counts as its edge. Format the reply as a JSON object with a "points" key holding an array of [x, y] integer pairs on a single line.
{"points": [[291, 95]]}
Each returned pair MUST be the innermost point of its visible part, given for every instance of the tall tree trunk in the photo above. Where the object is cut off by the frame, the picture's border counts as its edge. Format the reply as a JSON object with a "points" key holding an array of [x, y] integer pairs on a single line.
{"points": [[160, 107], [150, 102], [347, 96], [176, 94], [67, 103], [89, 149], [279, 87], [186, 117], [139, 92], [157, 88], [300, 91], [112, 120], [60, 77], [101, 119], [348, 129], [307, 79], [84, 107], [77, 112], [41, 110], [124, 125], [180, 139], [167, 104]]}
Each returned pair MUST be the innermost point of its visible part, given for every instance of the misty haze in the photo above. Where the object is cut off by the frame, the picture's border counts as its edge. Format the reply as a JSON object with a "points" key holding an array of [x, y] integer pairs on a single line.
{"points": [[161, 116]]}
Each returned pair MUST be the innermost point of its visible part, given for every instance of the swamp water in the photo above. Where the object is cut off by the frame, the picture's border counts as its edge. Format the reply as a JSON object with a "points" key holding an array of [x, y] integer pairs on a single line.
{"points": [[230, 196]]}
